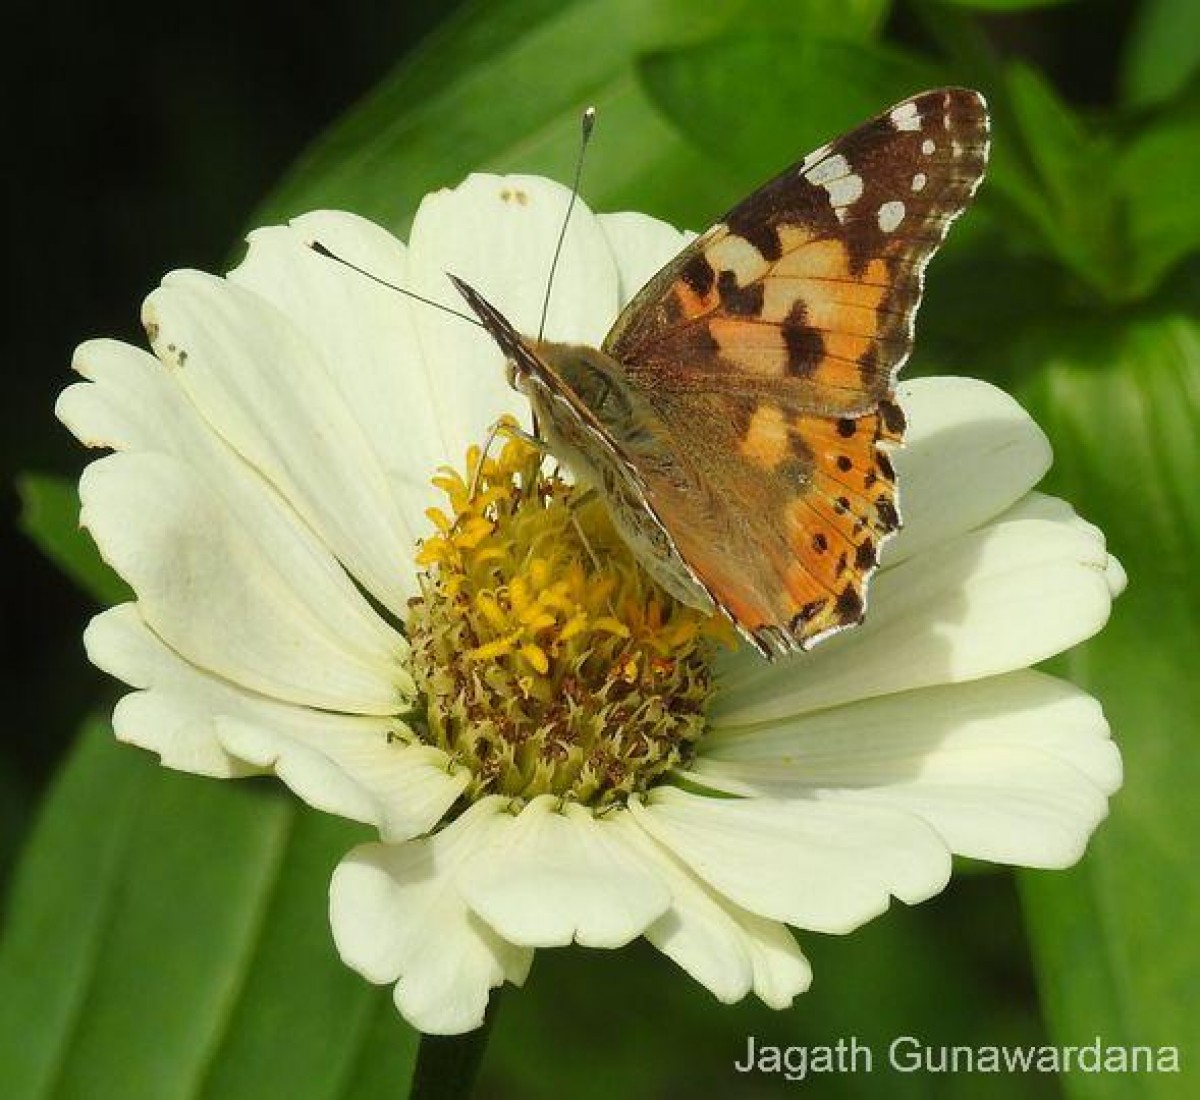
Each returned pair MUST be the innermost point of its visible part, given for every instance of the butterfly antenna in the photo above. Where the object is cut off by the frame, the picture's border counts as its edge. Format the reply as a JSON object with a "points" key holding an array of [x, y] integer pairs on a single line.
{"points": [[586, 124], [321, 250]]}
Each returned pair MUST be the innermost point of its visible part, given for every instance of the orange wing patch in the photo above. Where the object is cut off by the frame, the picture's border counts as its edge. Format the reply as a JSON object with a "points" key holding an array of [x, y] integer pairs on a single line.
{"points": [[837, 522], [767, 442]]}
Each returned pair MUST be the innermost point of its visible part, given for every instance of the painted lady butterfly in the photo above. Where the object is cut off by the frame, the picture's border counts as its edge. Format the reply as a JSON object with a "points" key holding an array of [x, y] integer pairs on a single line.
{"points": [[739, 415]]}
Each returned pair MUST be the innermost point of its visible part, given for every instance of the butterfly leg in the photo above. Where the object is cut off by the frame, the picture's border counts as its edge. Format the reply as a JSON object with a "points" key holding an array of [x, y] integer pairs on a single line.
{"points": [[583, 498], [591, 553]]}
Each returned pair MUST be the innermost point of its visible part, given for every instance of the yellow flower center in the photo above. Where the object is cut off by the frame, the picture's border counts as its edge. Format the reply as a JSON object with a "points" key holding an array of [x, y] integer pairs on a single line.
{"points": [[547, 660]]}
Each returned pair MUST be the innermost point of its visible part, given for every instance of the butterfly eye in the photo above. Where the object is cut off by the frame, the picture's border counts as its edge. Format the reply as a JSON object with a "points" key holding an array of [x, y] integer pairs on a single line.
{"points": [[604, 388]]}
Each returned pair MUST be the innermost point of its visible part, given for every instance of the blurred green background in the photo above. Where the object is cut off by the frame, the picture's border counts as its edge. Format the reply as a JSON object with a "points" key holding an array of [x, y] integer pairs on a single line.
{"points": [[166, 937]]}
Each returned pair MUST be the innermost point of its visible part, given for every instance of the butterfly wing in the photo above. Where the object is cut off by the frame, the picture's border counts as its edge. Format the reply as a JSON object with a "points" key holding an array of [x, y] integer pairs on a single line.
{"points": [[778, 513], [769, 348]]}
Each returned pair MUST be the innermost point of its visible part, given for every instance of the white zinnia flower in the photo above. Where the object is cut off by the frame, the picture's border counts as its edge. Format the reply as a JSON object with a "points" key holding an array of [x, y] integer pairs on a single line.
{"points": [[269, 489]]}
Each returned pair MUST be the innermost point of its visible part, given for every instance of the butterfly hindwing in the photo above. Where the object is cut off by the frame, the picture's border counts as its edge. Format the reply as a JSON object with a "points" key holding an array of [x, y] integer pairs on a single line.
{"points": [[788, 566]]}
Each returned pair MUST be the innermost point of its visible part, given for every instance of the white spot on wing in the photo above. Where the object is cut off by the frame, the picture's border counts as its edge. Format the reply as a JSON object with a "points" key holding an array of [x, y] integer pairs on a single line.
{"points": [[928, 146], [843, 185], [906, 117], [845, 191], [829, 170], [815, 157], [919, 181], [890, 215]]}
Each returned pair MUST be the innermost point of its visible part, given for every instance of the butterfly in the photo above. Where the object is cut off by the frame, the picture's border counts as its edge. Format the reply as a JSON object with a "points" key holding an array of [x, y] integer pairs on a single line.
{"points": [[738, 418]]}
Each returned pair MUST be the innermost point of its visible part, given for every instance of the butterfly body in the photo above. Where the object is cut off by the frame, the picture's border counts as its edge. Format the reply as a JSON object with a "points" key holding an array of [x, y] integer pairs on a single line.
{"points": [[642, 451], [739, 416]]}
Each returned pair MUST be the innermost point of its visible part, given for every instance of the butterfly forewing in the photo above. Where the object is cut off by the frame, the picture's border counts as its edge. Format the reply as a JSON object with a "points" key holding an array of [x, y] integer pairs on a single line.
{"points": [[770, 349], [822, 259]]}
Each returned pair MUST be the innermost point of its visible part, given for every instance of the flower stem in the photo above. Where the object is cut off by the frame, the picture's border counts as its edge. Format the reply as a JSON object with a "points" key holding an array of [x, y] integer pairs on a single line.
{"points": [[447, 1065]]}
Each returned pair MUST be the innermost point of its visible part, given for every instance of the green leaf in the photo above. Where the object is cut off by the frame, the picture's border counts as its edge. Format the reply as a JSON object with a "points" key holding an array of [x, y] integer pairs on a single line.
{"points": [[167, 937], [50, 516], [972, 294], [1162, 52], [1158, 176], [500, 88], [715, 93], [1113, 937], [15, 810], [1075, 208], [1055, 139]]}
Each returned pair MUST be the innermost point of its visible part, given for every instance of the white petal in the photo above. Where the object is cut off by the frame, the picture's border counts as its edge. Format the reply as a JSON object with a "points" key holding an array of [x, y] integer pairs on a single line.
{"points": [[364, 334], [726, 949], [549, 878], [209, 590], [498, 233], [1042, 506], [172, 716], [1014, 768], [397, 916], [339, 763], [641, 246], [811, 864], [970, 451], [131, 403], [264, 389], [404, 790], [1115, 576], [993, 600]]}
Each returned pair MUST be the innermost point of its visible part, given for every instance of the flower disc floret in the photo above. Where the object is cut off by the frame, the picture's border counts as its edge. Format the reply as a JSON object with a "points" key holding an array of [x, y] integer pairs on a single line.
{"points": [[549, 662]]}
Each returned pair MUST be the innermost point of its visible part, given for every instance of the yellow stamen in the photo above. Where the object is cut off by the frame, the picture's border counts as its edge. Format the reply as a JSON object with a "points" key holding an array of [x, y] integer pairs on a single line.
{"points": [[497, 647], [536, 657]]}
